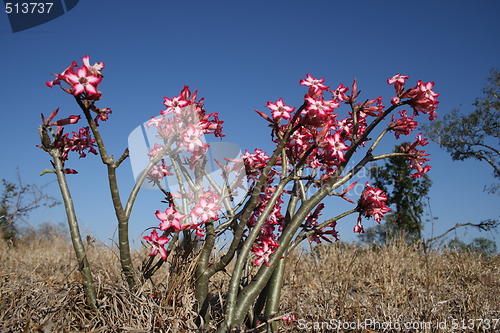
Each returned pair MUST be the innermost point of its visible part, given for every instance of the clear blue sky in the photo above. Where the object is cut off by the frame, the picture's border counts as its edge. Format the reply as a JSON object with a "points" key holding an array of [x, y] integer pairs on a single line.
{"points": [[241, 55]]}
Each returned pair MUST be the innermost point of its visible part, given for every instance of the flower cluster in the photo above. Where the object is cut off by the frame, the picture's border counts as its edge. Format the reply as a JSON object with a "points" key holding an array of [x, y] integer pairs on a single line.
{"points": [[181, 127], [371, 204], [83, 84], [205, 208], [320, 234], [254, 163], [82, 81], [81, 141], [422, 97], [157, 244], [319, 141], [267, 242], [417, 157], [404, 125]]}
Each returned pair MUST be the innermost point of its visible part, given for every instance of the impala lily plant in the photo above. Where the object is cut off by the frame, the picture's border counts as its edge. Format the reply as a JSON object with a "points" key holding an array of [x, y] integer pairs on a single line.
{"points": [[283, 190]]}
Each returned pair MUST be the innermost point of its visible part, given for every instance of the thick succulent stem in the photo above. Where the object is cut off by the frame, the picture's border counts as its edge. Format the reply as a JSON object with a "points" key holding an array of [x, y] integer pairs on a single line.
{"points": [[202, 277], [83, 263], [122, 214], [274, 295]]}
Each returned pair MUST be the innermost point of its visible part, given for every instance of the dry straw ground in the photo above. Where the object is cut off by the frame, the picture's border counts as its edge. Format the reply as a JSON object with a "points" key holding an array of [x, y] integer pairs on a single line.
{"points": [[334, 287]]}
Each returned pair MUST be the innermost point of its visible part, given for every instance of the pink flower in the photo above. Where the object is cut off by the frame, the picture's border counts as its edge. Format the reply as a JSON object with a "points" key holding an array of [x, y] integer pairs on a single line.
{"points": [[262, 252], [358, 228], [174, 105], [62, 76], [289, 318], [345, 126], [371, 203], [423, 99], [80, 142], [401, 79], [316, 87], [185, 93], [319, 107], [375, 194], [299, 139], [192, 138], [83, 82], [95, 69], [157, 244], [160, 170], [426, 89], [405, 125], [339, 93], [395, 100], [198, 153], [157, 148], [417, 157], [103, 114], [399, 82], [213, 126], [254, 162], [280, 110], [171, 220], [155, 121], [335, 146], [205, 210]]}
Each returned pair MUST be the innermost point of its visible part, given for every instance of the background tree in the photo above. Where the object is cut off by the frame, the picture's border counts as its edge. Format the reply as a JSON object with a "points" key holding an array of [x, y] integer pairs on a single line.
{"points": [[16, 203], [475, 135], [406, 200], [7, 228]]}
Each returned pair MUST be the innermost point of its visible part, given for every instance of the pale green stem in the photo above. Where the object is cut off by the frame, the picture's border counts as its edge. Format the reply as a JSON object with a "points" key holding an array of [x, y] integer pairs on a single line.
{"points": [[233, 295], [276, 282], [274, 295], [202, 277], [123, 215], [83, 264]]}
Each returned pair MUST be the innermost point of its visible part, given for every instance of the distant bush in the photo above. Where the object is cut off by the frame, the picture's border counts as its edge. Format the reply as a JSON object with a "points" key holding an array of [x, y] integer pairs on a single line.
{"points": [[45, 231], [479, 246], [17, 201]]}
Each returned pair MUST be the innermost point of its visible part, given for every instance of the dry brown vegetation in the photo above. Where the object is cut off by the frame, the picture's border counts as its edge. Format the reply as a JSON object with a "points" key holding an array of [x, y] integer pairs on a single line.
{"points": [[41, 291]]}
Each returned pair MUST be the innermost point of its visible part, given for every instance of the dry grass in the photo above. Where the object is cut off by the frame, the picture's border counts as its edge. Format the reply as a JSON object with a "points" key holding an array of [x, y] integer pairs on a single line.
{"points": [[393, 284], [41, 290]]}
